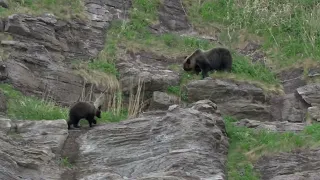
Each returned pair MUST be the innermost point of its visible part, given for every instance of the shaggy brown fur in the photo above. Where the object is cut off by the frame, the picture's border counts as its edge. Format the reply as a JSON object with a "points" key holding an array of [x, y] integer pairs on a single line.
{"points": [[219, 59]]}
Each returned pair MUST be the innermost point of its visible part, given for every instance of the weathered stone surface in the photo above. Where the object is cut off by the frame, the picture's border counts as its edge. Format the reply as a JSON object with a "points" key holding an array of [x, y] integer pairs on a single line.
{"points": [[151, 71], [28, 151], [271, 126], [175, 144], [310, 93], [172, 17], [238, 99], [3, 103], [162, 101], [314, 113], [294, 108], [292, 79], [4, 3], [298, 165], [44, 46]]}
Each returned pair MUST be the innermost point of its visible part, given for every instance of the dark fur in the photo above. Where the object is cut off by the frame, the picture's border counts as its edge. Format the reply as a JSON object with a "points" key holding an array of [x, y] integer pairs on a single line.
{"points": [[218, 59], [83, 110]]}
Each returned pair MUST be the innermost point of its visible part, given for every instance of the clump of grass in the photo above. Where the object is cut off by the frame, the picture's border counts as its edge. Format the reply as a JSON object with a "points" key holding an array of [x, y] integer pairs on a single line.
{"points": [[61, 8], [65, 162], [247, 146], [31, 108]]}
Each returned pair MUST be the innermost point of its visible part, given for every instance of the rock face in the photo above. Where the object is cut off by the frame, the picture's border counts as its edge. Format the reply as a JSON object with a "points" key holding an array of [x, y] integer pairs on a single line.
{"points": [[4, 3], [44, 46], [310, 93], [162, 101], [172, 17], [29, 149], [271, 126], [294, 108], [292, 79], [3, 104], [149, 69], [175, 144], [314, 113], [241, 100], [294, 166]]}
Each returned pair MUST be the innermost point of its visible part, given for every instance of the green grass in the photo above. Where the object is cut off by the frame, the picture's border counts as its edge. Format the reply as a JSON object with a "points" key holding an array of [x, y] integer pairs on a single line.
{"points": [[32, 108], [247, 145], [64, 162], [61, 8]]}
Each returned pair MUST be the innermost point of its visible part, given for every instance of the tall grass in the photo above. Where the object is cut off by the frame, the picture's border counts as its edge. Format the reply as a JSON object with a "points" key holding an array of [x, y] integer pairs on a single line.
{"points": [[289, 27]]}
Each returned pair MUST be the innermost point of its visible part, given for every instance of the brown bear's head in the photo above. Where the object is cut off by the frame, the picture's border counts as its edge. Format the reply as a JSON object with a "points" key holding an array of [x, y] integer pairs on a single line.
{"points": [[189, 63]]}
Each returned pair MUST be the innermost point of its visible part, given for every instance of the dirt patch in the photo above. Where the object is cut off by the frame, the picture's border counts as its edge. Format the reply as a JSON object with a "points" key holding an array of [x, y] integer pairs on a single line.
{"points": [[70, 150]]}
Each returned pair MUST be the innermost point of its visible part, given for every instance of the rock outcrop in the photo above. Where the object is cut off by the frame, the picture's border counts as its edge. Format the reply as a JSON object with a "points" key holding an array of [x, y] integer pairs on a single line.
{"points": [[147, 70], [175, 144], [162, 101], [241, 100], [172, 17], [30, 149], [284, 126], [296, 165]]}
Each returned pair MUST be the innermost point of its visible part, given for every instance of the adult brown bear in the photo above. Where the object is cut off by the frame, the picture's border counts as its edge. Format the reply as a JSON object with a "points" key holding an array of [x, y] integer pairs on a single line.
{"points": [[218, 59]]}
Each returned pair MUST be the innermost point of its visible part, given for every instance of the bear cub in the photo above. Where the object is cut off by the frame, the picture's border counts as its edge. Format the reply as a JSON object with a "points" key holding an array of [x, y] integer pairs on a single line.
{"points": [[83, 110], [218, 59]]}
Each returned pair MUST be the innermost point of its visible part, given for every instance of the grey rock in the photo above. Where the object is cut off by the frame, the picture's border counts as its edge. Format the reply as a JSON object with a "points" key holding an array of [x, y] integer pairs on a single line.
{"points": [[4, 3], [238, 99], [284, 126], [178, 144], [292, 79], [172, 17], [314, 113], [310, 94], [29, 150], [3, 103], [150, 71], [294, 108], [162, 101], [297, 165]]}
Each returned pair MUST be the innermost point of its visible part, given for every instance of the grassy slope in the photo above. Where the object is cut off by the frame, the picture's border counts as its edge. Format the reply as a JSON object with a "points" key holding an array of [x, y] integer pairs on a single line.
{"points": [[287, 30]]}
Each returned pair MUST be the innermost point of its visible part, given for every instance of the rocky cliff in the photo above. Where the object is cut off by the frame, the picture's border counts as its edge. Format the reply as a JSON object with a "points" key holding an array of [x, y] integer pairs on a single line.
{"points": [[226, 126]]}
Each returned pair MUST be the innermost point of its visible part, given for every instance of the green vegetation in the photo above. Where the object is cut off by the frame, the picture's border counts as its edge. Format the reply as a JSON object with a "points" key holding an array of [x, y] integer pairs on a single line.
{"points": [[247, 145], [32, 108], [65, 162], [289, 28], [61, 8]]}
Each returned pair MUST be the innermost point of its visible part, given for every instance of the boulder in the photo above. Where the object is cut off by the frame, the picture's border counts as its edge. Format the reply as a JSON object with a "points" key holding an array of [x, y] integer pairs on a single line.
{"points": [[238, 99], [314, 113], [29, 149], [180, 143], [162, 101], [296, 165], [294, 108], [271, 126], [310, 94]]}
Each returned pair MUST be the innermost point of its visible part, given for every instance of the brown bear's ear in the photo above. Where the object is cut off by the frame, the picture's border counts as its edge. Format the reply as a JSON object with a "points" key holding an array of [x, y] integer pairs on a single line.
{"points": [[99, 107], [185, 57], [197, 51], [188, 61]]}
